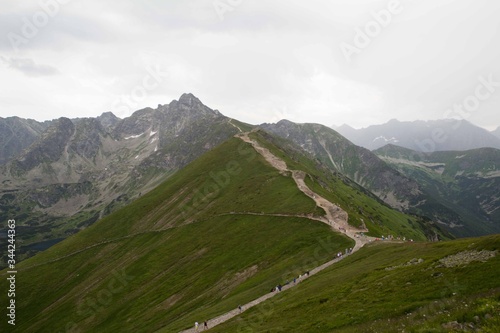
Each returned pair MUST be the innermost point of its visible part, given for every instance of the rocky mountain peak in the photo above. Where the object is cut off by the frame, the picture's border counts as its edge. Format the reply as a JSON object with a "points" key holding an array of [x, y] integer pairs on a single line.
{"points": [[189, 105], [108, 119], [189, 100]]}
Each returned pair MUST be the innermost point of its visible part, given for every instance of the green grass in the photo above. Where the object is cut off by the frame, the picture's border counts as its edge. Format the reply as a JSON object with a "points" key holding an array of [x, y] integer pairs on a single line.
{"points": [[193, 249], [197, 263], [181, 255], [456, 180], [360, 295]]}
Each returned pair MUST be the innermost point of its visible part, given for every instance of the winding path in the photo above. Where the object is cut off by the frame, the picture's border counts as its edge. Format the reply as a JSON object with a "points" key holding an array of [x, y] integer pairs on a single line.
{"points": [[335, 217]]}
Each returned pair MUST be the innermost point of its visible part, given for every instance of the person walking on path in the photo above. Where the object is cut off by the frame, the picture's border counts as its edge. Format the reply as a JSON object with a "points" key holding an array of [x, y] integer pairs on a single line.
{"points": [[196, 326], [205, 325], [239, 307]]}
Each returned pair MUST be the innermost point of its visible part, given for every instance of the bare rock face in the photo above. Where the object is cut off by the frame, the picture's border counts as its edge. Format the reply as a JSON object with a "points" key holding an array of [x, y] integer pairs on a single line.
{"points": [[88, 138], [17, 134], [108, 120], [50, 147]]}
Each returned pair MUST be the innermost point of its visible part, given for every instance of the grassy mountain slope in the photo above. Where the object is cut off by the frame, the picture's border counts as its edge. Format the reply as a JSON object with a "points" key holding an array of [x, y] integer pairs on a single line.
{"points": [[220, 232], [177, 254], [361, 205], [368, 170], [466, 182], [411, 287]]}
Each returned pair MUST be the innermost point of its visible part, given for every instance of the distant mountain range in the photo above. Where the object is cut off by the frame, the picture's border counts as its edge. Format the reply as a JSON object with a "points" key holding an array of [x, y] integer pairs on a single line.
{"points": [[399, 189], [59, 177], [465, 182], [423, 136], [232, 210]]}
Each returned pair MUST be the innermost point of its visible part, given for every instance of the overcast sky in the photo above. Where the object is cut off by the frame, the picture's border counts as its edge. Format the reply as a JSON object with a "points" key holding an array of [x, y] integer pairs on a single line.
{"points": [[358, 62]]}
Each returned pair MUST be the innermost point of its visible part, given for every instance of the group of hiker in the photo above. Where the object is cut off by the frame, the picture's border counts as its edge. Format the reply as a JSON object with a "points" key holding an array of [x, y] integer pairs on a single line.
{"points": [[391, 238], [279, 287], [346, 252]]}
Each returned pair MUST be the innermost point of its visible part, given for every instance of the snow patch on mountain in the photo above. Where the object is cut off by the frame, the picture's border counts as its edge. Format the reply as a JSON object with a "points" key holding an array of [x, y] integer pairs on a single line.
{"points": [[381, 137]]}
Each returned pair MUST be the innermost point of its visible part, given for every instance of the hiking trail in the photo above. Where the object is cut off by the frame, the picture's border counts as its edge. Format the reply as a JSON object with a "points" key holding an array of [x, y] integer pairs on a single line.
{"points": [[335, 217]]}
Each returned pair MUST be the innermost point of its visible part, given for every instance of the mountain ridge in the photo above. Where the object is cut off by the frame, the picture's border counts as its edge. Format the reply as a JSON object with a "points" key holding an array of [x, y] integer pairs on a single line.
{"points": [[93, 166], [465, 181], [425, 136], [362, 166], [77, 171]]}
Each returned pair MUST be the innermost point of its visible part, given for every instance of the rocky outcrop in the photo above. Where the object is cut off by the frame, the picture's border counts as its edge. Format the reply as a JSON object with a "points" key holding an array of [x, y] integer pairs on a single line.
{"points": [[17, 134], [88, 138], [466, 257], [49, 148], [108, 120]]}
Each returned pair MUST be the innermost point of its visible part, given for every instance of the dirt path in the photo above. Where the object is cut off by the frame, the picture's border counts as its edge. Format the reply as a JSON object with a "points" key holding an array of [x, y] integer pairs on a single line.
{"points": [[335, 216], [230, 121]]}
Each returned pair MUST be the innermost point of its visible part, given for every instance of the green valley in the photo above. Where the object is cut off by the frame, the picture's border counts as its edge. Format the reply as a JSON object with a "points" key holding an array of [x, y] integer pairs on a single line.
{"points": [[220, 232]]}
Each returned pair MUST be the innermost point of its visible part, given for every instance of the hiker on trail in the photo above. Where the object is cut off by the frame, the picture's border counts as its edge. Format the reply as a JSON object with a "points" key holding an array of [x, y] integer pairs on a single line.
{"points": [[239, 307], [205, 325], [196, 326]]}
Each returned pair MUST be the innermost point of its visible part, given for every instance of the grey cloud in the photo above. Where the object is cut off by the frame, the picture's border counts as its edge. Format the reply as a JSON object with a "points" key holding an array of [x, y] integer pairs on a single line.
{"points": [[29, 67]]}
